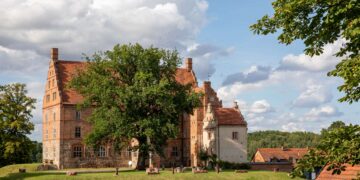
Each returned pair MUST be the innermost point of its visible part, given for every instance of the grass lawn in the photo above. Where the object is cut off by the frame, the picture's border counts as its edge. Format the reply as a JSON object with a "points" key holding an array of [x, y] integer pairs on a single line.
{"points": [[11, 172]]}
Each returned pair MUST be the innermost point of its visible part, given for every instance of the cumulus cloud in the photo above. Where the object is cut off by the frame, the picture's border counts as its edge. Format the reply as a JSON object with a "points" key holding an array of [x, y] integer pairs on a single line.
{"points": [[21, 60], [292, 127], [91, 25], [313, 95], [254, 74], [326, 111], [324, 62], [203, 55]]}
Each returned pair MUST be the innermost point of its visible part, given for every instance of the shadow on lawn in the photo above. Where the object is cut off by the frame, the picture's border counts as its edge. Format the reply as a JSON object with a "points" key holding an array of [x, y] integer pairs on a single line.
{"points": [[54, 175], [20, 176]]}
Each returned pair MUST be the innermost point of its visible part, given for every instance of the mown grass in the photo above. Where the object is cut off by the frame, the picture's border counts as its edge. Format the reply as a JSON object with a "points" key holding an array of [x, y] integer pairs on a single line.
{"points": [[15, 168], [139, 175]]}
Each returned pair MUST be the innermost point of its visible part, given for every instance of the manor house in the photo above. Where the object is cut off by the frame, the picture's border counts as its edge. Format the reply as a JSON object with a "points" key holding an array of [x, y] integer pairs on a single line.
{"points": [[213, 128]]}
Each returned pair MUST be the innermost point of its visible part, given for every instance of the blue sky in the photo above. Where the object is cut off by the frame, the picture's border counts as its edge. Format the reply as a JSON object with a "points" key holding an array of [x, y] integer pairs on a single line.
{"points": [[277, 86]]}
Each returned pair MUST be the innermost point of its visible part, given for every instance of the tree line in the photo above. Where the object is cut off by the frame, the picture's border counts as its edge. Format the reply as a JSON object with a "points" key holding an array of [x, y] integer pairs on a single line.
{"points": [[276, 139]]}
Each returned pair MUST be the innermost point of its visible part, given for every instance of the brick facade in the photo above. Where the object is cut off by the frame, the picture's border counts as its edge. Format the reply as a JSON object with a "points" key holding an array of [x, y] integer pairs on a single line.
{"points": [[64, 127]]}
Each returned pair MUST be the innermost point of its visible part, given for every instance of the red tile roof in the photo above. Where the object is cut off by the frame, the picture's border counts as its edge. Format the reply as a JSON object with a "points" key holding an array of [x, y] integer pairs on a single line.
{"points": [[351, 172], [67, 69], [184, 76], [229, 116], [282, 153]]}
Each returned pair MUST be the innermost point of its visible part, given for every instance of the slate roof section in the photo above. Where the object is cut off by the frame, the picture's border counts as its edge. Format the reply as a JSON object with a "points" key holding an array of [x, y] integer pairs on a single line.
{"points": [[351, 172], [229, 116], [68, 69], [282, 153]]}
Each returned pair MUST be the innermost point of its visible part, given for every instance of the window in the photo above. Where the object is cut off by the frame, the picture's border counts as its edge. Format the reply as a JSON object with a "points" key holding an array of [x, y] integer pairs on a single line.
{"points": [[46, 117], [54, 116], [77, 132], [174, 151], [209, 135], [77, 151], [53, 83], [48, 98], [102, 152], [49, 83], [235, 135], [46, 134], [46, 152], [54, 96], [77, 115], [54, 133]]}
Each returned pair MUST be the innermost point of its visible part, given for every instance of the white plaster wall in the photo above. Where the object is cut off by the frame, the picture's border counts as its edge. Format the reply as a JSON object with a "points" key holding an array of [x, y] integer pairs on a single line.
{"points": [[233, 150]]}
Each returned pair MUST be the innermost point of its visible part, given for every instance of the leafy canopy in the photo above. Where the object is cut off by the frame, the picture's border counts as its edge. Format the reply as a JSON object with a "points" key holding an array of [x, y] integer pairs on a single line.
{"points": [[339, 144], [133, 93], [318, 23], [15, 115]]}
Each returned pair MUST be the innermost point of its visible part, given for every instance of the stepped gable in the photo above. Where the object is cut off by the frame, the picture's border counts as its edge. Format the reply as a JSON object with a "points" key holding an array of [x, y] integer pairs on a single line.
{"points": [[282, 153], [68, 69], [229, 116]]}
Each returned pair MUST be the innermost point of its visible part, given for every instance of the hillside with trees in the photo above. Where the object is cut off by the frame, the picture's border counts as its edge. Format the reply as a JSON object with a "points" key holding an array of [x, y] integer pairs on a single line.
{"points": [[272, 139]]}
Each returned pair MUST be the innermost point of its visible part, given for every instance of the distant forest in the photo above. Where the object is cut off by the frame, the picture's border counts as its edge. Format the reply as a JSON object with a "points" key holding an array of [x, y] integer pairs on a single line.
{"points": [[272, 139]]}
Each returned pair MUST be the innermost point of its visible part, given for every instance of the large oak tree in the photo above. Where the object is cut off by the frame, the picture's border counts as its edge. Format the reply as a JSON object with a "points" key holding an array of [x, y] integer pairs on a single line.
{"points": [[134, 94]]}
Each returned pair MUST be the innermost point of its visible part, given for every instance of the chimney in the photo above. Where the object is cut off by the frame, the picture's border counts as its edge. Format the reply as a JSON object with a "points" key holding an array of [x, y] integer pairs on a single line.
{"points": [[207, 84], [188, 63], [54, 54]]}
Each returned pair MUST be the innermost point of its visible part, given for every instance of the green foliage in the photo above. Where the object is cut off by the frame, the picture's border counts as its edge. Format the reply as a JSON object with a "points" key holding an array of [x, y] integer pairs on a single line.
{"points": [[339, 144], [203, 156], [349, 70], [15, 114], [276, 139], [133, 93], [36, 153], [318, 23]]}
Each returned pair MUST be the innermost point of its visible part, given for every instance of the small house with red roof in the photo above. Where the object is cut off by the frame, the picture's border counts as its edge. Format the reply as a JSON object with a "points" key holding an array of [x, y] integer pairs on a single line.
{"points": [[225, 133], [279, 154], [351, 172]]}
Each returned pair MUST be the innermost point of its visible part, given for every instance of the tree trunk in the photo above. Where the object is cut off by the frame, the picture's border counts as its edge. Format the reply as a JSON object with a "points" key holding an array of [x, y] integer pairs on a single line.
{"points": [[142, 156]]}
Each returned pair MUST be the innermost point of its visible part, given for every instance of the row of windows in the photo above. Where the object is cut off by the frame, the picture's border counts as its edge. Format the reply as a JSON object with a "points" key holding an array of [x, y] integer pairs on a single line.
{"points": [[77, 151], [77, 133], [77, 116], [47, 118], [53, 82], [53, 97]]}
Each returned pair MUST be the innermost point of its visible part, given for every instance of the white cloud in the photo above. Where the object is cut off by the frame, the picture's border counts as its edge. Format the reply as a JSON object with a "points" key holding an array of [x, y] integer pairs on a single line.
{"points": [[203, 55], [323, 112], [254, 74], [91, 25], [313, 95], [324, 62], [292, 127], [24, 61]]}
